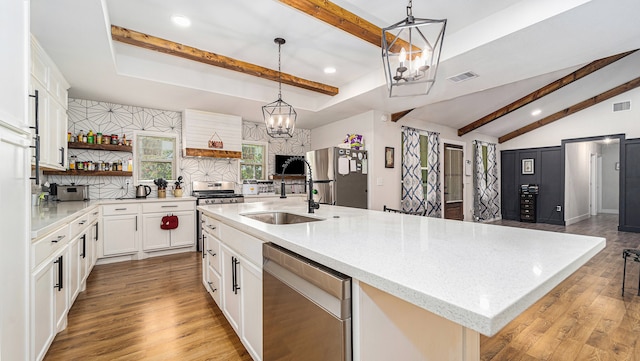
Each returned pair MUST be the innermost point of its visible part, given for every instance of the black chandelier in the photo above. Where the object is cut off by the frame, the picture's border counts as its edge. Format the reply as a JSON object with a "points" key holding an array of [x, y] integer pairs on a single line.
{"points": [[411, 53], [279, 117]]}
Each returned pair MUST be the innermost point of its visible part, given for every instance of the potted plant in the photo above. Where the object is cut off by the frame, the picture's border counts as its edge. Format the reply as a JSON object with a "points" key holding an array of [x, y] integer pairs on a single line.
{"points": [[177, 191], [162, 187]]}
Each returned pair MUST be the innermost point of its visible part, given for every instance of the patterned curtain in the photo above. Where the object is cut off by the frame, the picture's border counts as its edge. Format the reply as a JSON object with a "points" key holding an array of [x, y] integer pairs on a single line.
{"points": [[412, 191], [433, 194], [486, 200]]}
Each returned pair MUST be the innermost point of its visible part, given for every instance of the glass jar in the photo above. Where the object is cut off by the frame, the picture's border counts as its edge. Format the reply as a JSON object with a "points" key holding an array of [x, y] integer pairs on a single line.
{"points": [[106, 139], [79, 165], [72, 162], [99, 138], [114, 139]]}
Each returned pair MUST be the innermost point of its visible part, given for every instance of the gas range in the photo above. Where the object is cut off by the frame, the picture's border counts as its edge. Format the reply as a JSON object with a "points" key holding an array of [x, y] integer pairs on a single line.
{"points": [[215, 193]]}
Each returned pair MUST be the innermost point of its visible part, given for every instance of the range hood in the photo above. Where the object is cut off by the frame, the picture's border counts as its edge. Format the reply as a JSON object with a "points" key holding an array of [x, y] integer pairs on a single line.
{"points": [[206, 134]]}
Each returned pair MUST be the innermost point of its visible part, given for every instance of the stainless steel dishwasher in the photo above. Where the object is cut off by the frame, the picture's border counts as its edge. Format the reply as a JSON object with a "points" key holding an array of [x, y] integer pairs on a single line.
{"points": [[306, 309]]}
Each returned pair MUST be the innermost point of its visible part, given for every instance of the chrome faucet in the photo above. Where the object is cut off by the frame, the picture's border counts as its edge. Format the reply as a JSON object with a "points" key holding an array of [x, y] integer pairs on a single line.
{"points": [[311, 204]]}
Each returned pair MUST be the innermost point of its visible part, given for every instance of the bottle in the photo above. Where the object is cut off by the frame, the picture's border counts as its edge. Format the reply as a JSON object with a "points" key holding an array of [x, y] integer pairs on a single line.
{"points": [[124, 139], [99, 138], [119, 166], [80, 136], [130, 165], [90, 137]]}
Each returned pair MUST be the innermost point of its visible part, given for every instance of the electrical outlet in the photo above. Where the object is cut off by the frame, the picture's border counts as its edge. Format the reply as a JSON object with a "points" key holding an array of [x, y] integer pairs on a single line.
{"points": [[558, 208], [127, 182]]}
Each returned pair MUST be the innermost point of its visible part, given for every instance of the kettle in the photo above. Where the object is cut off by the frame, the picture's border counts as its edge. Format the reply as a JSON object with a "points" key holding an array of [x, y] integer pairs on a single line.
{"points": [[142, 191]]}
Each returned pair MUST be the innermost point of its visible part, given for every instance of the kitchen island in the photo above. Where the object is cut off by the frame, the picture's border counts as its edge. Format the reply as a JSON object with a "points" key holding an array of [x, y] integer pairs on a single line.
{"points": [[423, 288]]}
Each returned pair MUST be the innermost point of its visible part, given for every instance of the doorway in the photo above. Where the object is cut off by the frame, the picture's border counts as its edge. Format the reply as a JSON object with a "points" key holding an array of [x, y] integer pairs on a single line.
{"points": [[453, 182]]}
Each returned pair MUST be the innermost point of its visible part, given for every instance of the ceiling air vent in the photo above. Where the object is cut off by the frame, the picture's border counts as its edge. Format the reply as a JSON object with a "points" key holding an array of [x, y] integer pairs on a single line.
{"points": [[462, 77], [618, 107]]}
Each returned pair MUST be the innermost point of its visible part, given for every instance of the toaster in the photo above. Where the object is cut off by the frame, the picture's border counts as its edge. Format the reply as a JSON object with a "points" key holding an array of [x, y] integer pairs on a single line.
{"points": [[73, 193]]}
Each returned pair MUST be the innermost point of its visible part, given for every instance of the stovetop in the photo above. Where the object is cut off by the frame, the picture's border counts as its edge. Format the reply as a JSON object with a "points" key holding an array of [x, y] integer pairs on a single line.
{"points": [[210, 195]]}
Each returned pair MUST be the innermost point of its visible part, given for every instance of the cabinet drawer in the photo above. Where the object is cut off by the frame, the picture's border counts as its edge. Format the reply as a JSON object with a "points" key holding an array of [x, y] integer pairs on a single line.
{"points": [[119, 209], [48, 245], [211, 226], [79, 224], [214, 285], [168, 207], [212, 252], [244, 244]]}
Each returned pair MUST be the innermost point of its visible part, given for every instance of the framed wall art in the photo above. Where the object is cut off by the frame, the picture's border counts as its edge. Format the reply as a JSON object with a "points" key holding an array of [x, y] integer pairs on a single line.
{"points": [[527, 166], [389, 157]]}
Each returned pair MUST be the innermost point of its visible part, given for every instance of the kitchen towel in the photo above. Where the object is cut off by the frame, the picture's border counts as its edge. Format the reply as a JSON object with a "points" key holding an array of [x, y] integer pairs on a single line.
{"points": [[169, 222]]}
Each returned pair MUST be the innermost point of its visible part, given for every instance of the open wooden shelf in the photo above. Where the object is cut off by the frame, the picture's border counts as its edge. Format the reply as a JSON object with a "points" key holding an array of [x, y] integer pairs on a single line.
{"points": [[109, 147], [287, 176], [214, 153], [89, 173]]}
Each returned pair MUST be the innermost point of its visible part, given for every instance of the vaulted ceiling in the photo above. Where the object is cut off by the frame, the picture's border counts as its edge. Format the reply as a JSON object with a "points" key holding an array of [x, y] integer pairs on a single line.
{"points": [[515, 46]]}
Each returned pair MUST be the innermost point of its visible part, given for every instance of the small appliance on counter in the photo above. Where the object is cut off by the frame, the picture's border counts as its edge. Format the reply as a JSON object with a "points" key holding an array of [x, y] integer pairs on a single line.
{"points": [[73, 192], [142, 191], [249, 186]]}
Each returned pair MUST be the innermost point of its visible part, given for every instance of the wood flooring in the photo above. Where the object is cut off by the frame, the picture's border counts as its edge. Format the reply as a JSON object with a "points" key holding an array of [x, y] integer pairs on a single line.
{"points": [[157, 309], [584, 317], [154, 309]]}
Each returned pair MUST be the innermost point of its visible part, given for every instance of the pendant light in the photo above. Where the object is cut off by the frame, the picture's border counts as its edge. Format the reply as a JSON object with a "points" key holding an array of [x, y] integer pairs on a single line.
{"points": [[411, 53], [279, 117]]}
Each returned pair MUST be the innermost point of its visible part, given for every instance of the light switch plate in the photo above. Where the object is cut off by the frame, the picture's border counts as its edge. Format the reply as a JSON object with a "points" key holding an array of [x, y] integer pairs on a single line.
{"points": [[379, 181]]}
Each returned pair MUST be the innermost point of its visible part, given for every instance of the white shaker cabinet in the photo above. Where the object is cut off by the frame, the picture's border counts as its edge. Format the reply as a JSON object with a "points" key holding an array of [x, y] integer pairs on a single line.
{"points": [[51, 108], [49, 289], [156, 238], [120, 231], [233, 268]]}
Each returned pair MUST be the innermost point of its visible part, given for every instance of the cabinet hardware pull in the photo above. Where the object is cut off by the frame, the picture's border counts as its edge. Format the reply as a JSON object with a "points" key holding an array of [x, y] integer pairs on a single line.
{"points": [[58, 239], [136, 223], [211, 253], [233, 274], [120, 209], [62, 156], [97, 232], [211, 286], [235, 262], [173, 206], [84, 246], [82, 222], [36, 127], [60, 273], [211, 227]]}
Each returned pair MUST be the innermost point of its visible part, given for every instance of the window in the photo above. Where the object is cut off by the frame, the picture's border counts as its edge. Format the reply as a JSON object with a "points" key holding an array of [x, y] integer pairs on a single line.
{"points": [[156, 156], [253, 164]]}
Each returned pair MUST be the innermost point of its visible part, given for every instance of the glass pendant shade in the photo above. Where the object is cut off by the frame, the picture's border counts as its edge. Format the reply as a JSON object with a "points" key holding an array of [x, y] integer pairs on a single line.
{"points": [[411, 53]]}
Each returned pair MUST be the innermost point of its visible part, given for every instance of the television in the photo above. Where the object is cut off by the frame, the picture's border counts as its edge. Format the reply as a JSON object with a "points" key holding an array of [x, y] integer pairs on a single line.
{"points": [[294, 168]]}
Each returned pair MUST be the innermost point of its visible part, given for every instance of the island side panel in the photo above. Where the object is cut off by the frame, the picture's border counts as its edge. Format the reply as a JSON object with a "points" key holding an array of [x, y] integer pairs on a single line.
{"points": [[388, 328]]}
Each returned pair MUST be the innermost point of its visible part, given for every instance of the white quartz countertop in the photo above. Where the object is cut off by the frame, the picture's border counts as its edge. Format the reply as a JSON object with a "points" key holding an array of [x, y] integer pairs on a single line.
{"points": [[50, 215], [477, 275]]}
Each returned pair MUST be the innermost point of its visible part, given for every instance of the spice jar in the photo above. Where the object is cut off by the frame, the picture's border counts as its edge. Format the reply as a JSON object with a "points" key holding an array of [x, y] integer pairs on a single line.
{"points": [[114, 139], [72, 162], [99, 138], [106, 139], [79, 165]]}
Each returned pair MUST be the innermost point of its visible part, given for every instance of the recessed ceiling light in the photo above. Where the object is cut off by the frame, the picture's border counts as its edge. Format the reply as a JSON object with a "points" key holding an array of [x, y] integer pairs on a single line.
{"points": [[329, 70], [536, 112], [181, 20]]}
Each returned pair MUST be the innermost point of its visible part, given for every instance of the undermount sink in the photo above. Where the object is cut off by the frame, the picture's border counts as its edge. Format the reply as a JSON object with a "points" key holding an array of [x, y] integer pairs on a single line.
{"points": [[280, 217]]}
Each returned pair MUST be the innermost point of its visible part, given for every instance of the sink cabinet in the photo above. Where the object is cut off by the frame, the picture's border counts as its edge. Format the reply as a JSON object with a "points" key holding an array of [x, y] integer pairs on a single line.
{"points": [[232, 274]]}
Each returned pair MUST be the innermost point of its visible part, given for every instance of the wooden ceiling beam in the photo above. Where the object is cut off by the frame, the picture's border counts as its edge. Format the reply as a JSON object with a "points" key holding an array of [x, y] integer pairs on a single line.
{"points": [[397, 116], [572, 109], [150, 42], [545, 90], [345, 20]]}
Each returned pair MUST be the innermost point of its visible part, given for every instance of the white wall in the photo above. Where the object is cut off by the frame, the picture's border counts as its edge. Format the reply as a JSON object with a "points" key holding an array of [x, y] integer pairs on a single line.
{"points": [[594, 121], [577, 179], [610, 178], [379, 132]]}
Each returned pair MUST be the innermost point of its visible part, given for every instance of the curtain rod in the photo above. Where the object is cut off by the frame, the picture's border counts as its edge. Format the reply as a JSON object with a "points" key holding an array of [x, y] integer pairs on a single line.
{"points": [[420, 130]]}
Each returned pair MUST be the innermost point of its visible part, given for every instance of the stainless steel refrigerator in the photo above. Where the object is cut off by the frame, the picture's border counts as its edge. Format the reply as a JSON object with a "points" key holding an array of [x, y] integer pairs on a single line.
{"points": [[339, 176]]}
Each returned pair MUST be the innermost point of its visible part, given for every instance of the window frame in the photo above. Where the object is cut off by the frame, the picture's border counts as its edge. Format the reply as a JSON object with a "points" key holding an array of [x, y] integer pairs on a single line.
{"points": [[266, 156], [136, 156]]}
